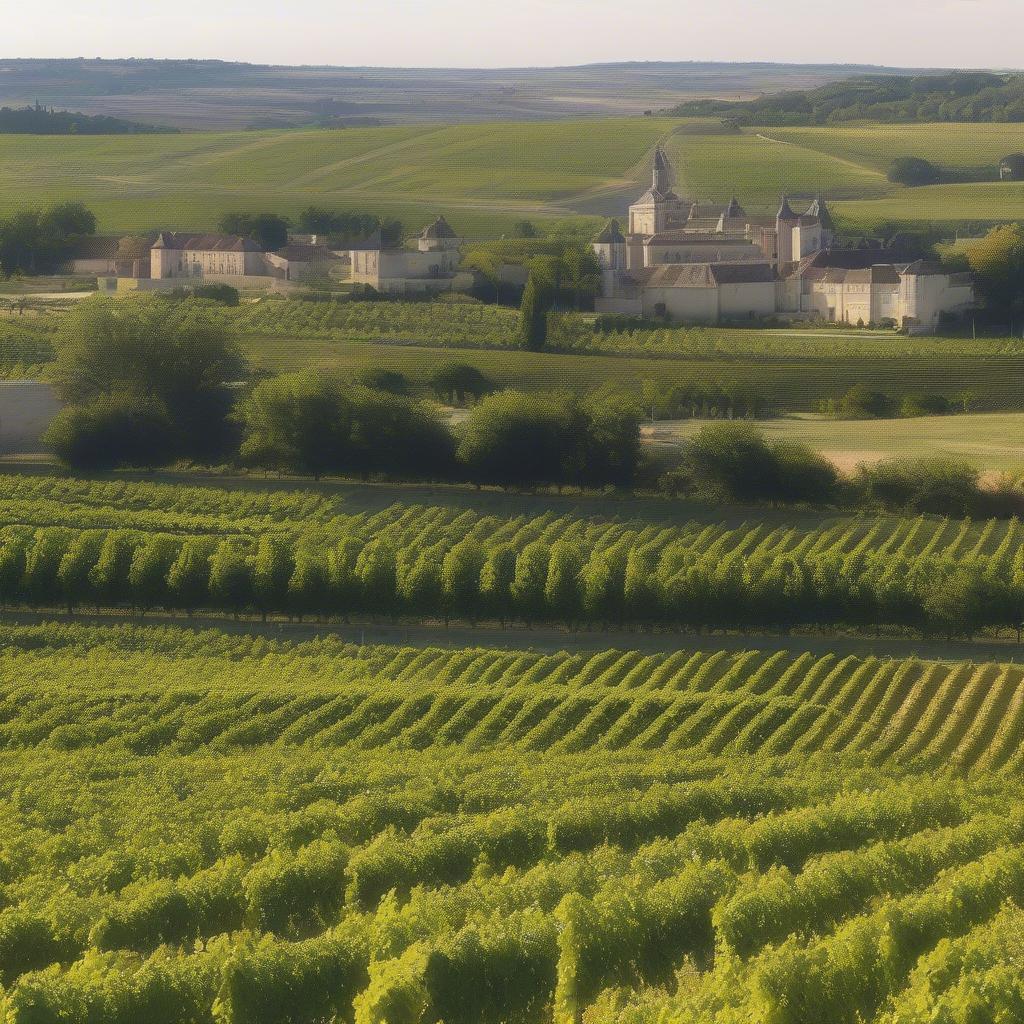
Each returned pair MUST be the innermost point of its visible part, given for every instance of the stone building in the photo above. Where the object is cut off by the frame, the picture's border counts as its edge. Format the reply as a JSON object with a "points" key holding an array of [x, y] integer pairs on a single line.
{"points": [[689, 262], [431, 268]]}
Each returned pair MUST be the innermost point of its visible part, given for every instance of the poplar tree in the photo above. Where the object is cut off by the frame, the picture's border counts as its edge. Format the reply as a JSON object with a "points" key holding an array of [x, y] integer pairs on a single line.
{"points": [[188, 579], [75, 566], [460, 580], [496, 576], [309, 586], [272, 568], [230, 577], [562, 587], [108, 577], [530, 581], [376, 571], [147, 575]]}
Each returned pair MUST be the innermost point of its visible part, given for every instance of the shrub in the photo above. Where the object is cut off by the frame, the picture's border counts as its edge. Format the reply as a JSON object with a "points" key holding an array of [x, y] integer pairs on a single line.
{"points": [[935, 486], [913, 171], [112, 431]]}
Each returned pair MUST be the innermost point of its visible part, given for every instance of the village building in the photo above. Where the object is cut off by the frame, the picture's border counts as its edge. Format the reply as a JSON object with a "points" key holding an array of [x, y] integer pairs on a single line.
{"points": [[689, 262], [176, 259], [429, 269]]}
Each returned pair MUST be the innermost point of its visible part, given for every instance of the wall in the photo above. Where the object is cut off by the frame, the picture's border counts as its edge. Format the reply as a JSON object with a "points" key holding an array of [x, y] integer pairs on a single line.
{"points": [[740, 300], [725, 250], [26, 409], [696, 305]]}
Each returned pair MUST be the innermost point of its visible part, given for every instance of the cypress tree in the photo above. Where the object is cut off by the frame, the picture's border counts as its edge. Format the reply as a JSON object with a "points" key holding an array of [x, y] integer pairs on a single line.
{"points": [[533, 317]]}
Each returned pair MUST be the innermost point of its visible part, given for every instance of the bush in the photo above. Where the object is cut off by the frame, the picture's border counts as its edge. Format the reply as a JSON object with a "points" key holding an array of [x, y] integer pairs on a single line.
{"points": [[222, 293], [860, 403], [913, 171], [734, 461], [933, 486], [925, 405], [457, 383], [378, 378], [112, 431]]}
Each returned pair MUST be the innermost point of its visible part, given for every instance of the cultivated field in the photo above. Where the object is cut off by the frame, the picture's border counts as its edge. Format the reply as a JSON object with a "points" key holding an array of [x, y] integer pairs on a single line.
{"points": [[487, 176], [203, 828]]}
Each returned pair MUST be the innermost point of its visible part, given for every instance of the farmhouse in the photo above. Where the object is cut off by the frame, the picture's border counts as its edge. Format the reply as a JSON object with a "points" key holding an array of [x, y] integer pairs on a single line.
{"points": [[686, 261], [431, 268]]}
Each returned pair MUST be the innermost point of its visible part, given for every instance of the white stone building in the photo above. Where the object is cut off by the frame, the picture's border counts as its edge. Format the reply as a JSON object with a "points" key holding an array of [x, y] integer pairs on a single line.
{"points": [[431, 268], [688, 262]]}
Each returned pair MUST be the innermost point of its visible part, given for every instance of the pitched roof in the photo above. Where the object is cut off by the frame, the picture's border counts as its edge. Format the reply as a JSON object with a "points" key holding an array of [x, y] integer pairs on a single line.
{"points": [[439, 229], [682, 236], [652, 195], [94, 247], [300, 252], [611, 235], [135, 247], [703, 275], [205, 243], [924, 268], [820, 210]]}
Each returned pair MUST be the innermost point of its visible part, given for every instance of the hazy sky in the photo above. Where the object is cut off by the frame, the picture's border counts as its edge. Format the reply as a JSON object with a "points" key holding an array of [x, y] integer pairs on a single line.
{"points": [[485, 33]]}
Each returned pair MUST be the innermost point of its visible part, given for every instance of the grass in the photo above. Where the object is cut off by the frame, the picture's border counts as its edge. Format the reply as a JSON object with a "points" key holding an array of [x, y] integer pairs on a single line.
{"points": [[990, 441], [484, 176], [796, 383], [487, 176]]}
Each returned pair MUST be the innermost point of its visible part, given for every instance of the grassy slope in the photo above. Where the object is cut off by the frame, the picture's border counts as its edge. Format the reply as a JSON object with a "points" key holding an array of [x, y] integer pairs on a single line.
{"points": [[484, 176], [801, 384], [991, 441]]}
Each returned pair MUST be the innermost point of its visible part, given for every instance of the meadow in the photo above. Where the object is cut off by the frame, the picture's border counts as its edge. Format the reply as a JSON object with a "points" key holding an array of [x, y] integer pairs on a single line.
{"points": [[216, 830], [992, 442], [486, 177]]}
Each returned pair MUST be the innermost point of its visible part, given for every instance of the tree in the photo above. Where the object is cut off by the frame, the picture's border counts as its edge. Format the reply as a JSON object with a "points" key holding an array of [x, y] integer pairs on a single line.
{"points": [[525, 229], [460, 579], [177, 355], [514, 439], [998, 265], [562, 587], [75, 566], [379, 378], [732, 460], [230, 577], [112, 431], [341, 572], [377, 573], [419, 586], [150, 566], [496, 578], [298, 422], [272, 568], [457, 383], [309, 586], [42, 563], [533, 317], [268, 230], [188, 579], [530, 581], [108, 577], [913, 171]]}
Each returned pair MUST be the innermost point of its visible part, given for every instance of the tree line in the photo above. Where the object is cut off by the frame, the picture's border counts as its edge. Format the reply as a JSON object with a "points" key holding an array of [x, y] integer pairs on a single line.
{"points": [[626, 583]]}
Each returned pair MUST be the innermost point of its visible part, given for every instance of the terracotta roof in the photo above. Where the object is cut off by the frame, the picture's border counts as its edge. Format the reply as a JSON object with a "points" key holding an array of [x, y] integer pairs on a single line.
{"points": [[439, 229], [205, 243], [703, 275], [611, 235]]}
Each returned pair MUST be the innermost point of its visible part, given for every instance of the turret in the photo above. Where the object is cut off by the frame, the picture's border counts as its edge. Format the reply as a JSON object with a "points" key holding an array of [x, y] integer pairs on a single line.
{"points": [[785, 221], [610, 248], [662, 181]]}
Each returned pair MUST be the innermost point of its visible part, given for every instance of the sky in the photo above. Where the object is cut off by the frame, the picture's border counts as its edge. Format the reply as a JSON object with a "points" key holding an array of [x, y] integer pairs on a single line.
{"points": [[524, 33]]}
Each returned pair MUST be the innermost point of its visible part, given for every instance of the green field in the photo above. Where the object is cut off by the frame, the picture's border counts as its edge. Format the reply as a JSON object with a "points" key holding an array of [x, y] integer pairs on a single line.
{"points": [[487, 176], [990, 441], [483, 176]]}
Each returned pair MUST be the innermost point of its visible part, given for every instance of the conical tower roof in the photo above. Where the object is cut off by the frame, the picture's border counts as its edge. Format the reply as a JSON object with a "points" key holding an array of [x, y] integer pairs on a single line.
{"points": [[612, 234], [820, 210], [734, 209], [786, 211]]}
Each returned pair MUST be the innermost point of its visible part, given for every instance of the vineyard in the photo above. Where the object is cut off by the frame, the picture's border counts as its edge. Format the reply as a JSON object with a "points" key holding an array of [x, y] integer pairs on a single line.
{"points": [[71, 544], [201, 828]]}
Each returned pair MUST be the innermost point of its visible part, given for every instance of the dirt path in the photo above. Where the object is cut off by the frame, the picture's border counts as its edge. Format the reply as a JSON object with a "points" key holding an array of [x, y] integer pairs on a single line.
{"points": [[551, 640]]}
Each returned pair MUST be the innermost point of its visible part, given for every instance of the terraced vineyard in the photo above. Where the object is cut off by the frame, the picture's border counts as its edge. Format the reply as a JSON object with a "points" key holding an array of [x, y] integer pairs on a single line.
{"points": [[199, 828]]}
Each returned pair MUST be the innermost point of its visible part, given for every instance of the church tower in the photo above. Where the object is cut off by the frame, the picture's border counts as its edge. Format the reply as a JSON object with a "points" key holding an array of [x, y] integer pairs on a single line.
{"points": [[658, 209], [610, 249]]}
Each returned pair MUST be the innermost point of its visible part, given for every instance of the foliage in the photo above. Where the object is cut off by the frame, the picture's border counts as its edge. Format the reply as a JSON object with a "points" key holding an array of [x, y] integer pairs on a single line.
{"points": [[913, 171], [268, 230], [174, 354]]}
